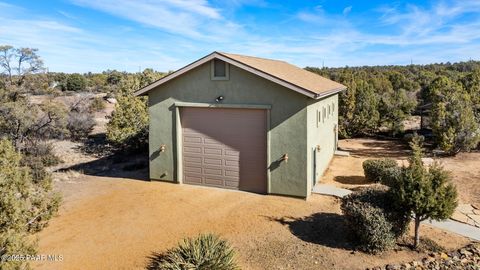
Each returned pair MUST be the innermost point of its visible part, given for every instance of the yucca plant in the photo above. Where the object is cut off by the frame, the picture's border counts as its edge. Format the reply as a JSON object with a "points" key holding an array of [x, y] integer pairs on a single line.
{"points": [[205, 252]]}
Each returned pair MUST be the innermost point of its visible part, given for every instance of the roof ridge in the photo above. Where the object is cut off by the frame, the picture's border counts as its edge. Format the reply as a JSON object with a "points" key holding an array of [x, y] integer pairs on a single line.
{"points": [[262, 58]]}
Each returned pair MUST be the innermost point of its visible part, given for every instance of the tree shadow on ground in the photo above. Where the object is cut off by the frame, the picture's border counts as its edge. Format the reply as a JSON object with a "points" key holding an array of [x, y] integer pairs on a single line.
{"points": [[117, 166], [352, 179], [326, 229], [96, 145], [381, 149], [110, 162]]}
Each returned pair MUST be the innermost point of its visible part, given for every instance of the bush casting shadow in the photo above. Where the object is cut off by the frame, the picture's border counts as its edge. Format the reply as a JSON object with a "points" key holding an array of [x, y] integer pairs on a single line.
{"points": [[326, 229], [111, 162], [351, 179]]}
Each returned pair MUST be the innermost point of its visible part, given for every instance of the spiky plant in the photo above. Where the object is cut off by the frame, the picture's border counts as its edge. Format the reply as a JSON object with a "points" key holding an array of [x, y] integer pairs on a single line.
{"points": [[205, 252]]}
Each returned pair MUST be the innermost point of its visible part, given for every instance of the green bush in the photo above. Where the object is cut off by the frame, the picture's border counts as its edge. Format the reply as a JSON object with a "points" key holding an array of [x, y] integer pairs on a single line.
{"points": [[25, 206], [128, 125], [205, 252], [96, 105], [76, 82], [377, 169], [374, 222]]}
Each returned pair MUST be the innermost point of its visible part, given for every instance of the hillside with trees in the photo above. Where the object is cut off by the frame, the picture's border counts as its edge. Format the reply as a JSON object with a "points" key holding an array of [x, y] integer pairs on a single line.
{"points": [[379, 99]]}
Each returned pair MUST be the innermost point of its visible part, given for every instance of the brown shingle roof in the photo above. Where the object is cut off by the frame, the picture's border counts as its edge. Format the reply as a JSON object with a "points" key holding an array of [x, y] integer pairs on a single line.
{"points": [[281, 72], [289, 73]]}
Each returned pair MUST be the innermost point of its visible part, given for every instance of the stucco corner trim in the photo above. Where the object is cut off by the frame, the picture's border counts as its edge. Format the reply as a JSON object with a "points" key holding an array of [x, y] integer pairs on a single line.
{"points": [[221, 105]]}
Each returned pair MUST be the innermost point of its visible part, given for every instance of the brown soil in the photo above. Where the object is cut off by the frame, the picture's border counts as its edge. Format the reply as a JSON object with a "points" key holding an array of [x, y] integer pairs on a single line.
{"points": [[113, 219], [115, 223], [347, 172]]}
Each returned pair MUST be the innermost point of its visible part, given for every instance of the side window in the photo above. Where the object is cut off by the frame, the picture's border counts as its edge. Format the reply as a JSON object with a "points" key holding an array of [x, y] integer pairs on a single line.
{"points": [[324, 113]]}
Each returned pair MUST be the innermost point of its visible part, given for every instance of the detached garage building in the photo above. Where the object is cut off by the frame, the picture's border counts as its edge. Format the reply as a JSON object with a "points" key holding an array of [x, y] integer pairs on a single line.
{"points": [[242, 122]]}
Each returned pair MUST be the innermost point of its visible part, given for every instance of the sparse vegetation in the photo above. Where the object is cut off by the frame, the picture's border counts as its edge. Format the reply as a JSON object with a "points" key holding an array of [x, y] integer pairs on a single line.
{"points": [[205, 252], [97, 105]]}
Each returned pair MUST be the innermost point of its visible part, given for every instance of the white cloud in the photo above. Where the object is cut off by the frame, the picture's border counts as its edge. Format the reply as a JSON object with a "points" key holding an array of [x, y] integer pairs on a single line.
{"points": [[184, 17], [179, 32], [347, 10]]}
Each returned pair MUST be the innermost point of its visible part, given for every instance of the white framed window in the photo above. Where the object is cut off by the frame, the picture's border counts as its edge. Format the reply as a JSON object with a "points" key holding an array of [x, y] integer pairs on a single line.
{"points": [[324, 113], [220, 70], [329, 111]]}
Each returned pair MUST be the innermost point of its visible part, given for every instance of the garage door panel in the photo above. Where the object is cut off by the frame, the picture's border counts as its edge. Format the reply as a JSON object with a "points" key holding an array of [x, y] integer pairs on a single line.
{"points": [[212, 171], [231, 163], [213, 181], [193, 178], [210, 141], [189, 168], [212, 151], [192, 159], [228, 144], [213, 161], [192, 149], [231, 173]]}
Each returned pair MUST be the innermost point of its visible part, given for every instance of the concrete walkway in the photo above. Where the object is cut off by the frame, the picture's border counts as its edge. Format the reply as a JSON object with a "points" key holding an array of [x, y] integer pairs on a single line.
{"points": [[330, 190], [448, 225]]}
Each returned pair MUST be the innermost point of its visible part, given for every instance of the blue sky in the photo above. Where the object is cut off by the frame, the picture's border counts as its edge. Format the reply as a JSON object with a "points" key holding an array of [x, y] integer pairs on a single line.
{"points": [[95, 35]]}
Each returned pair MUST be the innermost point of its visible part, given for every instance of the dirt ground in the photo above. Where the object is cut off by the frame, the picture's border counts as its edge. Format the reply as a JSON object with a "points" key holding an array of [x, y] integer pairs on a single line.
{"points": [[347, 172], [112, 218], [117, 223]]}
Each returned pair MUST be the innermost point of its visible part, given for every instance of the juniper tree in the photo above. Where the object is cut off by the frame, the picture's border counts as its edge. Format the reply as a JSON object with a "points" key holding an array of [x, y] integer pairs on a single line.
{"points": [[25, 205], [424, 193], [128, 124], [452, 117]]}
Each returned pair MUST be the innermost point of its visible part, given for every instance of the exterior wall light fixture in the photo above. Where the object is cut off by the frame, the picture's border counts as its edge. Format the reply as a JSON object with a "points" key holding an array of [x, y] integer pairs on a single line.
{"points": [[218, 99]]}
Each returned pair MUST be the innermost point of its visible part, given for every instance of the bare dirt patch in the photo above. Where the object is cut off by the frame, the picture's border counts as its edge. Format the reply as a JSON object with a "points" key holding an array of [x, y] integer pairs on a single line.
{"points": [[115, 223], [347, 172]]}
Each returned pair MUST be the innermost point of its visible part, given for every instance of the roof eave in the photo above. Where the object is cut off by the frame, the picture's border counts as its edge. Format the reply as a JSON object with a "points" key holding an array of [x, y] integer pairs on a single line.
{"points": [[331, 92], [201, 61]]}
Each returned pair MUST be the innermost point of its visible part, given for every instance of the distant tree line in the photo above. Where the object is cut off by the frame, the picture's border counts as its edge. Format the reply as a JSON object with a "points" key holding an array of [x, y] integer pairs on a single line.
{"points": [[381, 98]]}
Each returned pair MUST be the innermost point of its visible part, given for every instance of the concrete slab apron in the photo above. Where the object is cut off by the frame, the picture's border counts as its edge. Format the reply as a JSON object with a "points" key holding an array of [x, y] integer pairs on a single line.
{"points": [[449, 225]]}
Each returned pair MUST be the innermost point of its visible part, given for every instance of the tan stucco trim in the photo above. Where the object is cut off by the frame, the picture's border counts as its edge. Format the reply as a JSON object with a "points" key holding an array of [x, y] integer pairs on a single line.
{"points": [[221, 105], [216, 55], [179, 144]]}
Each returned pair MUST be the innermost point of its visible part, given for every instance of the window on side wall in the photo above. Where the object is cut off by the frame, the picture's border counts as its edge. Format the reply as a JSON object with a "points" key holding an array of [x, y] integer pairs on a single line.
{"points": [[219, 70]]}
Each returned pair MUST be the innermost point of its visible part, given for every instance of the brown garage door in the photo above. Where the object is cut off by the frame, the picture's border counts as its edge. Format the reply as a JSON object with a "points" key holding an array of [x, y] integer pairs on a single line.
{"points": [[225, 148]]}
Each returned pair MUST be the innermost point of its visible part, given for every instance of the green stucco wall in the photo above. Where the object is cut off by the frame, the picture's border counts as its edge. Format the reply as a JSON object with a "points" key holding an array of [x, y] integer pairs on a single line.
{"points": [[321, 132], [287, 127]]}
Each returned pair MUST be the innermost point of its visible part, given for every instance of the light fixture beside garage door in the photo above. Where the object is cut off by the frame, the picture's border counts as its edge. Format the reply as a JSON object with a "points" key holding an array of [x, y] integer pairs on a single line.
{"points": [[218, 99]]}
